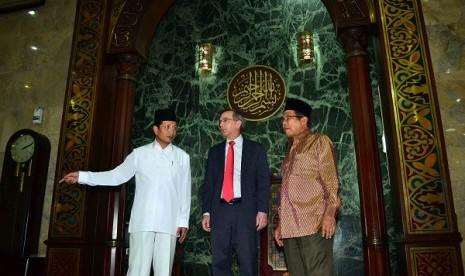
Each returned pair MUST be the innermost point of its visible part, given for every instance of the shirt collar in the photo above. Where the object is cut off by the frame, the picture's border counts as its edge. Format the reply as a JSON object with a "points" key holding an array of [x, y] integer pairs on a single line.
{"points": [[238, 141], [157, 146], [301, 135]]}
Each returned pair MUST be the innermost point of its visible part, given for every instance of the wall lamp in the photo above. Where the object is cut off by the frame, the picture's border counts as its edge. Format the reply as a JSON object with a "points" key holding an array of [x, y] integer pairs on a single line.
{"points": [[205, 57], [305, 52]]}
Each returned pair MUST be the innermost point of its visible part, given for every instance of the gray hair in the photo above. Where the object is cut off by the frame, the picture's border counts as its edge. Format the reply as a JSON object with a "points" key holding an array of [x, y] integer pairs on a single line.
{"points": [[236, 116]]}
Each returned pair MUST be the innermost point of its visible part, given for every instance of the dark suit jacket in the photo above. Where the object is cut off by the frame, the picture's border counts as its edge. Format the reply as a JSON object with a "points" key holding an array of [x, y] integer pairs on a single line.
{"points": [[255, 180]]}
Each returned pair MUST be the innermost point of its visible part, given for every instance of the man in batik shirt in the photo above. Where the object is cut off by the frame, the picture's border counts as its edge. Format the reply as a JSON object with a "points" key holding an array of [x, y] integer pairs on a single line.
{"points": [[309, 195]]}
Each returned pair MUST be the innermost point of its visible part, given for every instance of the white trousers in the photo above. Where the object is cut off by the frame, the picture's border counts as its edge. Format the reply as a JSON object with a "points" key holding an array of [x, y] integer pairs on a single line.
{"points": [[146, 248]]}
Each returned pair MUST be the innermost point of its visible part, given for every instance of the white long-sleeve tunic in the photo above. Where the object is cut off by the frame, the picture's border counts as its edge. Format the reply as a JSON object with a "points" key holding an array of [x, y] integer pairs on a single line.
{"points": [[163, 187]]}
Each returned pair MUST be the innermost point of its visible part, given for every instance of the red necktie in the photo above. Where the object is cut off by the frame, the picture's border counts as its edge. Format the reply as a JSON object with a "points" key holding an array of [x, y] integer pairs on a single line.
{"points": [[228, 193]]}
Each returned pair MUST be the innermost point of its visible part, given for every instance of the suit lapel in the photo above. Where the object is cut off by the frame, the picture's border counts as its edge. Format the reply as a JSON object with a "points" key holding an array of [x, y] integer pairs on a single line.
{"points": [[220, 161], [245, 162]]}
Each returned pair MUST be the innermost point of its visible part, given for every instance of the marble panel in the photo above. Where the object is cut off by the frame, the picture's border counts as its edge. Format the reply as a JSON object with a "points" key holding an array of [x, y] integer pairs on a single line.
{"points": [[446, 39]]}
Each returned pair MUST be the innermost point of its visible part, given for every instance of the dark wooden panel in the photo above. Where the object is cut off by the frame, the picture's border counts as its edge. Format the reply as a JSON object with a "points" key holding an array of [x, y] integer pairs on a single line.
{"points": [[20, 266], [272, 261]]}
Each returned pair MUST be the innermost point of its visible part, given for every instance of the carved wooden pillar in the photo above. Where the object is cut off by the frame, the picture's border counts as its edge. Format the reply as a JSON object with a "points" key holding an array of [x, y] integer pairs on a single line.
{"points": [[77, 239], [425, 220], [366, 148], [127, 67]]}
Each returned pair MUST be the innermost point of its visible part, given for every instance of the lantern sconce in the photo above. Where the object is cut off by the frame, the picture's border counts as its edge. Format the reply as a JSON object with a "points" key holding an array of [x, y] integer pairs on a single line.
{"points": [[305, 51], [205, 57]]}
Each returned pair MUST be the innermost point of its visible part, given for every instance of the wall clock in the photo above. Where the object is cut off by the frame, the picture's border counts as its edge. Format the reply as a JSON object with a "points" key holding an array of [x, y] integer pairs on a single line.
{"points": [[22, 190], [22, 148]]}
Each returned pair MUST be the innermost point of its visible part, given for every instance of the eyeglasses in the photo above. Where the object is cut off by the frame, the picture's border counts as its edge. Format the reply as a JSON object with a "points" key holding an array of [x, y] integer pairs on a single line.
{"points": [[287, 118], [225, 120]]}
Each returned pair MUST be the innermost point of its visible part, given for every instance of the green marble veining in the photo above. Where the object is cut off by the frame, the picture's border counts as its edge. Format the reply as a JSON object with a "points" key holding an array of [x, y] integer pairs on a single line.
{"points": [[248, 33]]}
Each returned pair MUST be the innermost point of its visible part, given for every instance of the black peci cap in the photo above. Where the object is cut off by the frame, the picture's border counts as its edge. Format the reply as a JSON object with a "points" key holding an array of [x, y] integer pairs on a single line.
{"points": [[164, 115], [299, 106]]}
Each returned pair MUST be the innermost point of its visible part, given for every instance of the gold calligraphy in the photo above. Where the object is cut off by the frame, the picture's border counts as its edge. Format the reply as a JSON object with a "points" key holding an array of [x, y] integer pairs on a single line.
{"points": [[258, 92]]}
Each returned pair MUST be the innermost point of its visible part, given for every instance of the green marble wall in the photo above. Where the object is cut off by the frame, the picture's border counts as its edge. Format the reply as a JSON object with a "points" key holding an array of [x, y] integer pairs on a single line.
{"points": [[248, 33]]}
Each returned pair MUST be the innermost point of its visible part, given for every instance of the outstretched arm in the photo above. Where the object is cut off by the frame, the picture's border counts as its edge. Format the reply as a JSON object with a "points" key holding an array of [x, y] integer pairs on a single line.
{"points": [[70, 178]]}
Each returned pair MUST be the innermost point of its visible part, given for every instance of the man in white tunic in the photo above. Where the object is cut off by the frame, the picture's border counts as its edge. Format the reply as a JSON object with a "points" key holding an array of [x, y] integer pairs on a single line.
{"points": [[162, 200]]}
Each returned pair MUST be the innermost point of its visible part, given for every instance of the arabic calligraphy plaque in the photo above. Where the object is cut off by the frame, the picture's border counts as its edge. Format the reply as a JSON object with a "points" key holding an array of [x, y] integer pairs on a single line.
{"points": [[258, 92]]}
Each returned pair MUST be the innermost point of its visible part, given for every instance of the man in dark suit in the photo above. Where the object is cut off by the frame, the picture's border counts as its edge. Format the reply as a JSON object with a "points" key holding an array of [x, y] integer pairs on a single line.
{"points": [[234, 217]]}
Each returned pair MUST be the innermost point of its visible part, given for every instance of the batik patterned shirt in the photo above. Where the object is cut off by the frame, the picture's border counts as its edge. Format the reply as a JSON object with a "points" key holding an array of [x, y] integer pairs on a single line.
{"points": [[310, 185]]}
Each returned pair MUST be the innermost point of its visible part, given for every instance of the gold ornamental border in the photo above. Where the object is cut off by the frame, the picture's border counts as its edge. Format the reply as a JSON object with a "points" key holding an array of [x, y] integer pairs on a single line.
{"points": [[427, 200], [68, 207], [257, 91]]}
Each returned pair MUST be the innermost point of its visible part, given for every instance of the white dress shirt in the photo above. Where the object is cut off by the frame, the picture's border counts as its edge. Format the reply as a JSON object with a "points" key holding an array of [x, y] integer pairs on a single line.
{"points": [[163, 187], [239, 141]]}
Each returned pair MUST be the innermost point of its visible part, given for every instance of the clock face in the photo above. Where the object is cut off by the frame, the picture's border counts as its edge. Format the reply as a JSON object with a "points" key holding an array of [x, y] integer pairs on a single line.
{"points": [[22, 148]]}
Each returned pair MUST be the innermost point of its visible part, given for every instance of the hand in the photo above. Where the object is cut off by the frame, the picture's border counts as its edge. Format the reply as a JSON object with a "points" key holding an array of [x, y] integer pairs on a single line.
{"points": [[70, 178], [182, 233], [206, 223], [328, 227], [261, 220], [277, 236]]}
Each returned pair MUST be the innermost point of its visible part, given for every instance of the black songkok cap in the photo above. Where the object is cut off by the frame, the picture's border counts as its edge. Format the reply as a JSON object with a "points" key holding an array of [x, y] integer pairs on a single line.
{"points": [[164, 115], [299, 106]]}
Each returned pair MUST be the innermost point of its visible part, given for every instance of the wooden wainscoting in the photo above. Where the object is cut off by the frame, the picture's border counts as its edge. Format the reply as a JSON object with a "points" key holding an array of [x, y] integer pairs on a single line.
{"points": [[272, 261]]}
